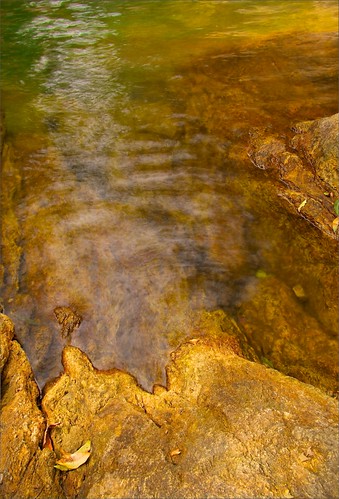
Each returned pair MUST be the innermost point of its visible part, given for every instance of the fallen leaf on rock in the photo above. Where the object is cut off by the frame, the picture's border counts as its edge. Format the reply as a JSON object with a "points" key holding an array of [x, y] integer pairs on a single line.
{"points": [[175, 452], [335, 224], [47, 440], [302, 205], [299, 291], [73, 461]]}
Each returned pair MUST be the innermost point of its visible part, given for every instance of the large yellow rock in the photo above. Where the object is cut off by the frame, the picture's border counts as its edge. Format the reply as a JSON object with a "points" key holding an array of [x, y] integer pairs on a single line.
{"points": [[223, 427]]}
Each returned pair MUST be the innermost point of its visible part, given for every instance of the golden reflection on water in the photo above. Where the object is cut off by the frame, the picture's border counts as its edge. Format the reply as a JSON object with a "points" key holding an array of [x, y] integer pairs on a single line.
{"points": [[130, 195]]}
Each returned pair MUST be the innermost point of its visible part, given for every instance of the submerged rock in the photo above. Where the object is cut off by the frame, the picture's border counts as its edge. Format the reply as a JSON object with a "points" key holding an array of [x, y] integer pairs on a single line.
{"points": [[307, 167], [318, 142], [223, 427], [68, 319], [274, 321]]}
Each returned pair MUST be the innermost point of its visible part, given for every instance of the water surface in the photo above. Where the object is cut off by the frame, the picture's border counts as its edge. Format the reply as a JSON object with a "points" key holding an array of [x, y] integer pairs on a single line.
{"points": [[129, 194]]}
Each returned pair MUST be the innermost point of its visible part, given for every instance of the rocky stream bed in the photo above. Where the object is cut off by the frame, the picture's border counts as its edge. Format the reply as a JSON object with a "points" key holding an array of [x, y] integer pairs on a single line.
{"points": [[241, 414]]}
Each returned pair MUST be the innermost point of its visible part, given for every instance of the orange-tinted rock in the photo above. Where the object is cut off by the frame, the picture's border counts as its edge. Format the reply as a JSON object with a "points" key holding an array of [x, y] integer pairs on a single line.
{"points": [[279, 330], [223, 427], [307, 168]]}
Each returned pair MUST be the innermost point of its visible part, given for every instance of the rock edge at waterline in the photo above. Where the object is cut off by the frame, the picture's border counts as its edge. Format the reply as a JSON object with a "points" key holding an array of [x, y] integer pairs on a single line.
{"points": [[223, 427]]}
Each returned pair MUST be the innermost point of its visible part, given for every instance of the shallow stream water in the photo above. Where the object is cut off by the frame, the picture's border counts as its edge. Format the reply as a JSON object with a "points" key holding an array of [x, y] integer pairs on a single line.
{"points": [[129, 194]]}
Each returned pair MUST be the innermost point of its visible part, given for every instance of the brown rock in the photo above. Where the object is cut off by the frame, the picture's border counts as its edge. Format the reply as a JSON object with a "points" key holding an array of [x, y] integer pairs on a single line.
{"points": [[25, 470], [6, 336], [318, 142], [275, 323], [307, 168], [22, 423], [223, 427], [68, 319]]}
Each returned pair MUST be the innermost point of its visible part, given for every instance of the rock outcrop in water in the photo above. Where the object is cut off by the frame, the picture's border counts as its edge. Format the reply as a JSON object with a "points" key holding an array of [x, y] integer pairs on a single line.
{"points": [[294, 343], [306, 165], [223, 427]]}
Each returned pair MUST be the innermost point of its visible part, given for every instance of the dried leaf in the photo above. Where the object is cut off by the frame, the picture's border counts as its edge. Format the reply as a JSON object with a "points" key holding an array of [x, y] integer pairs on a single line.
{"points": [[302, 205], [175, 452], [299, 291], [73, 461], [335, 224], [47, 440]]}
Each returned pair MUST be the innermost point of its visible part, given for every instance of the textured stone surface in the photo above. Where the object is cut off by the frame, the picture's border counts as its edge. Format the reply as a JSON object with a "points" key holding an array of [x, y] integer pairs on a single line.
{"points": [[281, 333], [223, 427], [318, 142], [7, 334], [307, 167], [21, 423], [68, 319]]}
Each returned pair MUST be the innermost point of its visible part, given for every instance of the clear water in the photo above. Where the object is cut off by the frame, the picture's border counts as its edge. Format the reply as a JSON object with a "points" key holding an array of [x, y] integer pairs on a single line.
{"points": [[131, 197]]}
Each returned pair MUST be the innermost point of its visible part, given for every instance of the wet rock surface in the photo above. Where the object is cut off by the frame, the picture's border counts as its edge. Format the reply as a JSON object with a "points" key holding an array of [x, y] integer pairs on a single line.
{"points": [[285, 337], [223, 427], [68, 319], [306, 165]]}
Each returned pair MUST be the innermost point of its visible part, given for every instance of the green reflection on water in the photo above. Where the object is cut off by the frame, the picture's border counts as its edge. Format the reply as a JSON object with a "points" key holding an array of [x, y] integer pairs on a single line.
{"points": [[90, 50]]}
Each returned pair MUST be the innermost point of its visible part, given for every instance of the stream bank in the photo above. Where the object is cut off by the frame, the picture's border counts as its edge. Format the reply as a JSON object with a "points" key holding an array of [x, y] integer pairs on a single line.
{"points": [[223, 426]]}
